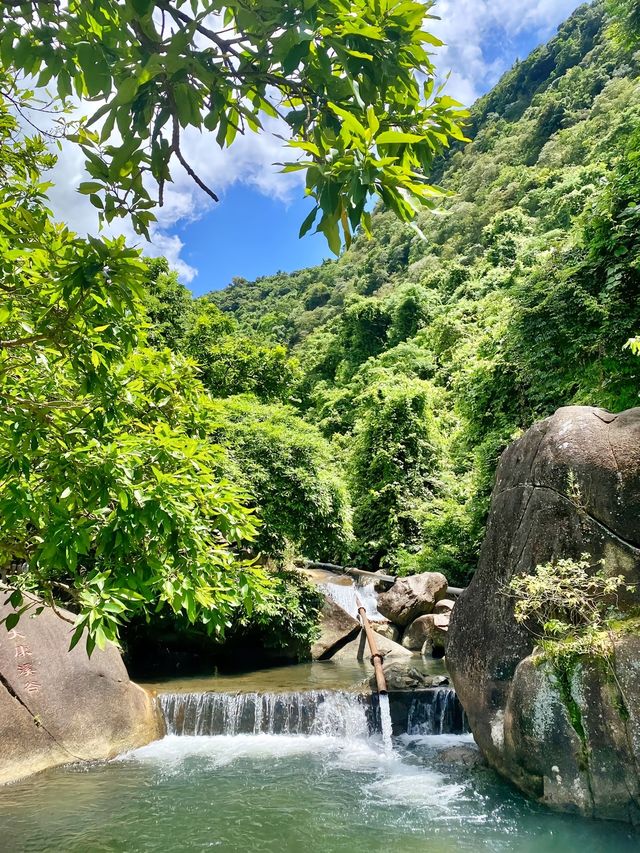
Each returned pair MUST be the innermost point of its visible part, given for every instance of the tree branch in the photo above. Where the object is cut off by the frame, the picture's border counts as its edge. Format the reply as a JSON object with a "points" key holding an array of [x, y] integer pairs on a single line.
{"points": [[20, 342], [175, 147]]}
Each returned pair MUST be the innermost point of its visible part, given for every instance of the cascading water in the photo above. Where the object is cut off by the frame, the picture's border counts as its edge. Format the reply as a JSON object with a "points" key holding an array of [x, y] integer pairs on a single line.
{"points": [[436, 712], [336, 713], [346, 595], [385, 723], [315, 712]]}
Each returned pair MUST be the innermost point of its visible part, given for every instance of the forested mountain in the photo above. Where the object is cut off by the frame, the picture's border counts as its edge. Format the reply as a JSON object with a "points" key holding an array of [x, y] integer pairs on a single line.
{"points": [[424, 355], [419, 354]]}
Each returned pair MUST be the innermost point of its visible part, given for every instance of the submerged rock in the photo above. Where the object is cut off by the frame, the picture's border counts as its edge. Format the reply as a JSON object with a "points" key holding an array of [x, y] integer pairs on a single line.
{"points": [[570, 485], [59, 706], [337, 627], [401, 676], [466, 754], [411, 597]]}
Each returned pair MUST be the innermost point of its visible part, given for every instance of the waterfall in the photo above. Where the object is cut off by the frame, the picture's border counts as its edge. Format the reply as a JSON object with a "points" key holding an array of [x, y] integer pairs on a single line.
{"points": [[385, 723], [313, 712], [345, 595], [337, 713], [436, 712]]}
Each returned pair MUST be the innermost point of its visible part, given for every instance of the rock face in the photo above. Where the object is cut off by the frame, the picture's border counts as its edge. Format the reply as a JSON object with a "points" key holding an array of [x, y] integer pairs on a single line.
{"points": [[570, 485], [411, 597], [59, 706], [337, 628]]}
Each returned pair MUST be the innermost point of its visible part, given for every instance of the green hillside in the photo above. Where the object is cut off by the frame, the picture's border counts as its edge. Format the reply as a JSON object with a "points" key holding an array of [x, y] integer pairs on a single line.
{"points": [[419, 356]]}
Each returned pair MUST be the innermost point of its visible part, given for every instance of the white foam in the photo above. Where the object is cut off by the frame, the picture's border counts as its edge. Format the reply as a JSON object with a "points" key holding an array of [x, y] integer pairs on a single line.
{"points": [[226, 749]]}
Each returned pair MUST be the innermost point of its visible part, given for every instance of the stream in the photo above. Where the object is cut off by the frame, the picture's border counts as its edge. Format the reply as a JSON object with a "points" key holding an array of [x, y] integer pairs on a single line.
{"points": [[291, 771]]}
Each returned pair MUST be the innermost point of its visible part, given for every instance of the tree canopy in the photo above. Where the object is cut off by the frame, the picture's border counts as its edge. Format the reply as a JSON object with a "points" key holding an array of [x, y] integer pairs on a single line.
{"points": [[351, 82]]}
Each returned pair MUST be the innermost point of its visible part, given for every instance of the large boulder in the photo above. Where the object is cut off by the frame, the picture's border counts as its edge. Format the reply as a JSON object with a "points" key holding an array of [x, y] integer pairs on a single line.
{"points": [[337, 628], [59, 706], [411, 597], [430, 629], [358, 650], [570, 485], [571, 734]]}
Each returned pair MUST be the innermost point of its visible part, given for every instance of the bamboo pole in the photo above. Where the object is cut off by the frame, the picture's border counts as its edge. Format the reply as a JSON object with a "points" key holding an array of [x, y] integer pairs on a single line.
{"points": [[376, 657]]}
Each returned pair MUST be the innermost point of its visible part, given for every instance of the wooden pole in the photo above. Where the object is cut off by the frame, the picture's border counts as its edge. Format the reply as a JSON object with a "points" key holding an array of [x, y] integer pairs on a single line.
{"points": [[376, 657]]}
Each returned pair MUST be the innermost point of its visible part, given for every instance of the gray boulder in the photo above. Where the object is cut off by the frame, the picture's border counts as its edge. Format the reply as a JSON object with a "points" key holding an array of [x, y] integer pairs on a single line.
{"points": [[337, 628], [411, 597], [430, 629], [437, 633], [59, 706], [466, 754], [570, 485]]}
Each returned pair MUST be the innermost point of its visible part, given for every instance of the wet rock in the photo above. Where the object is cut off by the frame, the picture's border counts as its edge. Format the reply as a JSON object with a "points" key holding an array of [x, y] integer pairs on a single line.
{"points": [[466, 754], [387, 630], [411, 597], [59, 706], [415, 635], [400, 676], [337, 628], [437, 632], [570, 485]]}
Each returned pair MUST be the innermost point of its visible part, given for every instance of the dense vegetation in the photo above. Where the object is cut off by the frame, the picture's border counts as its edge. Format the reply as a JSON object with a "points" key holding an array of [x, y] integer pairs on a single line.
{"points": [[166, 455], [424, 356], [129, 479]]}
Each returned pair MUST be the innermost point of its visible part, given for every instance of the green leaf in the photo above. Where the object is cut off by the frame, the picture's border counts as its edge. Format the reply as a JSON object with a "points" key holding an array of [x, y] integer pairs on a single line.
{"points": [[350, 121], [393, 137], [11, 621], [308, 222]]}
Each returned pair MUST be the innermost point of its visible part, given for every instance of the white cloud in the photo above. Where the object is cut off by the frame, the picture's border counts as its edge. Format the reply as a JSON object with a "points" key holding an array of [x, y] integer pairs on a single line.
{"points": [[473, 31], [476, 29]]}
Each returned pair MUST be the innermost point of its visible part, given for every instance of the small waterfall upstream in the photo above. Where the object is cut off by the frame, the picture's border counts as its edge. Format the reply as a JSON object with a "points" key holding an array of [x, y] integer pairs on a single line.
{"points": [[345, 595], [314, 712]]}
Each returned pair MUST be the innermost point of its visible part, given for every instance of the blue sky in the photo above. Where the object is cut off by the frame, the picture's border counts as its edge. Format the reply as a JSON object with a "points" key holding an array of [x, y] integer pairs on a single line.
{"points": [[253, 231], [249, 234]]}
